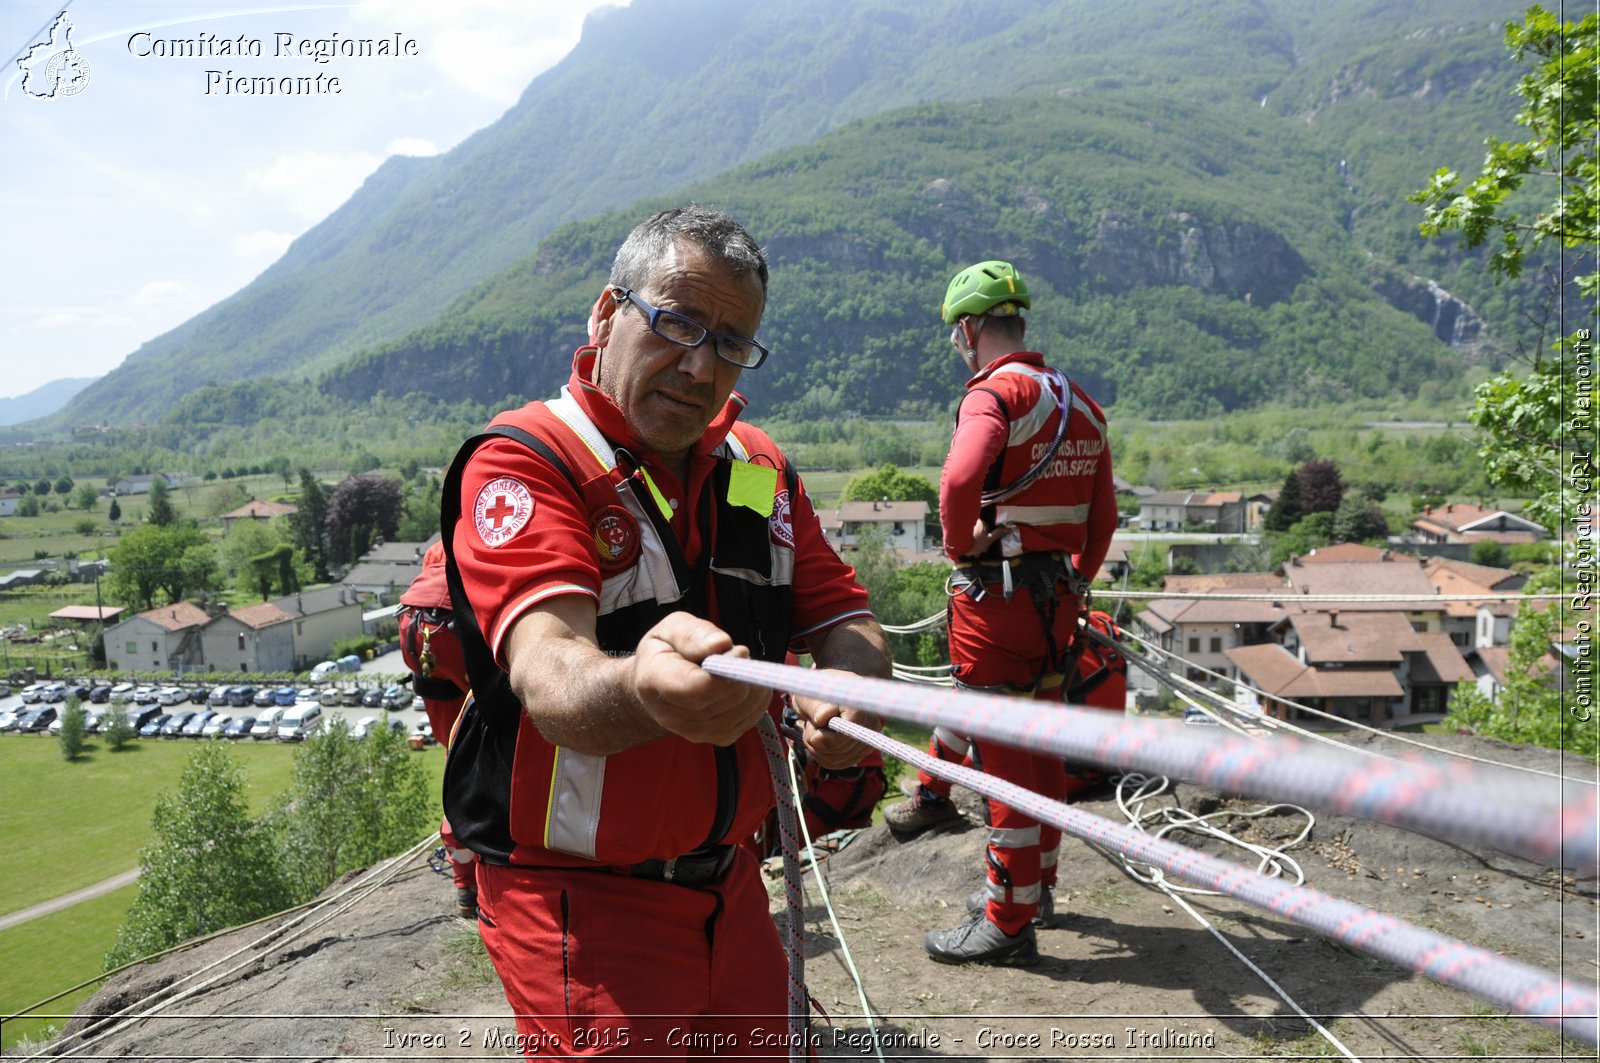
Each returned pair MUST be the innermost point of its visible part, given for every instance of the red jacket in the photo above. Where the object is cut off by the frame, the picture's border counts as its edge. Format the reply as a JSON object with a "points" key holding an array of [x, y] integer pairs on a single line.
{"points": [[640, 544], [1005, 423]]}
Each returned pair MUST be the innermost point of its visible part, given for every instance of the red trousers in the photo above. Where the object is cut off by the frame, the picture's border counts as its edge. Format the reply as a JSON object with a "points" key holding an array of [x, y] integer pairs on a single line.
{"points": [[596, 963], [997, 642]]}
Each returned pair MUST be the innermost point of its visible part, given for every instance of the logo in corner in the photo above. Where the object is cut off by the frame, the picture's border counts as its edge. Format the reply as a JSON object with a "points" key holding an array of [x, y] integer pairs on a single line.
{"points": [[503, 508], [781, 523], [54, 68], [616, 538]]}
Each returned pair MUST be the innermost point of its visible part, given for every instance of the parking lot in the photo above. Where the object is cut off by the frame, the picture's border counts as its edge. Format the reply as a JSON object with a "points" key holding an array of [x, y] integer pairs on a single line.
{"points": [[378, 673]]}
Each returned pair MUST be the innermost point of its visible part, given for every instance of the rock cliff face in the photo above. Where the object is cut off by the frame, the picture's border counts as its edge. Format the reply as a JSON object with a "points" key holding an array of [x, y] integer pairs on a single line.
{"points": [[1452, 321], [1239, 259]]}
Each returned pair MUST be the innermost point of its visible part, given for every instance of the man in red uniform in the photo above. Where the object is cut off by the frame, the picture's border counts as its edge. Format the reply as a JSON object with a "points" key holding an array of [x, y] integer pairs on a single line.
{"points": [[633, 529], [1028, 509], [431, 649]]}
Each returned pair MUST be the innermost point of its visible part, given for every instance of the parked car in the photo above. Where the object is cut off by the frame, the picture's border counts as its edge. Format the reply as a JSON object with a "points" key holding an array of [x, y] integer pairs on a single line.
{"points": [[172, 695], [79, 690], [218, 696], [32, 693], [152, 727], [214, 726], [176, 723], [91, 723], [396, 698], [53, 693], [122, 691], [372, 698], [284, 696], [9, 717], [146, 696], [422, 735], [264, 697], [364, 726], [37, 719], [139, 715], [241, 696], [195, 725], [298, 721], [239, 727], [331, 697], [308, 696], [267, 723], [352, 697], [100, 695], [199, 695]]}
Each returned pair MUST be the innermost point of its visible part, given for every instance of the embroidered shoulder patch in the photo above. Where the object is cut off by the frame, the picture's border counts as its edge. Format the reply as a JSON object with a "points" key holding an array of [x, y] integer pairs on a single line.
{"points": [[616, 538], [503, 508], [781, 523]]}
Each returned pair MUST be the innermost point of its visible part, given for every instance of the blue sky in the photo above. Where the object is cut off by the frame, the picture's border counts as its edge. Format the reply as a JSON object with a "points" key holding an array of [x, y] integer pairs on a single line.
{"points": [[139, 201]]}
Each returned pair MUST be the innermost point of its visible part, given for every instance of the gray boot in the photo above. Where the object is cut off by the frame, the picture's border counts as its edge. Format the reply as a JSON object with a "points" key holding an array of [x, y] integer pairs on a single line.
{"points": [[977, 940]]}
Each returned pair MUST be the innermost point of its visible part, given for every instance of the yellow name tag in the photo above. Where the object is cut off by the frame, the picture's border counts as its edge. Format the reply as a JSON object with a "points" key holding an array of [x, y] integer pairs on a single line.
{"points": [[752, 486]]}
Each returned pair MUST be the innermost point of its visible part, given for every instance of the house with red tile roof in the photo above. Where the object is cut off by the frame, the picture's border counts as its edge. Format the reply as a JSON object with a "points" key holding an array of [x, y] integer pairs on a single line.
{"points": [[1459, 522]]}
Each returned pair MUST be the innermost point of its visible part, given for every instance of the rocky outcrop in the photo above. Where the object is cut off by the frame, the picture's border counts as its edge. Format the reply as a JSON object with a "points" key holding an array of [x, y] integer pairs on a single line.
{"points": [[1452, 321], [1238, 259]]}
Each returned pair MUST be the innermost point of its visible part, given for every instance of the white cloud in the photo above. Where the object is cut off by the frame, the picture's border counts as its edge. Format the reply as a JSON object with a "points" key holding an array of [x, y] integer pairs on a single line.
{"points": [[412, 146], [263, 246], [313, 183], [486, 47]]}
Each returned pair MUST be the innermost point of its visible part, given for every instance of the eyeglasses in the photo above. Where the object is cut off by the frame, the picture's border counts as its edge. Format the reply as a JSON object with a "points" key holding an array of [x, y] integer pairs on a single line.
{"points": [[687, 332]]}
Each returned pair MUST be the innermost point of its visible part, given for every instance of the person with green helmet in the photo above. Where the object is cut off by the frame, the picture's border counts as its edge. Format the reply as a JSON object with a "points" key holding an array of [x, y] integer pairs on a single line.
{"points": [[1028, 509]]}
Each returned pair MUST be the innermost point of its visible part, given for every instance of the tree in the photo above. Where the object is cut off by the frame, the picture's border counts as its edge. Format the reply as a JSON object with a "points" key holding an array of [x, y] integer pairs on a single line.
{"points": [[161, 512], [1307, 534], [209, 866], [310, 525], [116, 727], [1285, 509], [892, 483], [151, 558], [114, 513], [63, 485], [353, 801], [360, 508], [87, 497], [1321, 487], [1534, 441], [74, 730], [28, 505], [42, 488], [1359, 519]]}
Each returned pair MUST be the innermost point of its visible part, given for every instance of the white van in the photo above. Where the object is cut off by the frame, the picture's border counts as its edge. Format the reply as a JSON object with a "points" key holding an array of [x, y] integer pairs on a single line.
{"points": [[267, 723], [297, 721], [321, 671]]}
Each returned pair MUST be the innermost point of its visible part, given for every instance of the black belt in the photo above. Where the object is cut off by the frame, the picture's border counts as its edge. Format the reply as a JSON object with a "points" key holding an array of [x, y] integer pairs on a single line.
{"points": [[691, 869]]}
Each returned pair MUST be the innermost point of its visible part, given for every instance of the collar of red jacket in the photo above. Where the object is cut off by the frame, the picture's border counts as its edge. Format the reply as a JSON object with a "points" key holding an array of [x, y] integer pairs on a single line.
{"points": [[1026, 357], [604, 413], [431, 589]]}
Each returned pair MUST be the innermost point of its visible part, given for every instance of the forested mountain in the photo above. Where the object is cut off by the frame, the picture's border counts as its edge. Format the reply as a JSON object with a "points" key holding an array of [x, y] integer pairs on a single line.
{"points": [[1158, 163]]}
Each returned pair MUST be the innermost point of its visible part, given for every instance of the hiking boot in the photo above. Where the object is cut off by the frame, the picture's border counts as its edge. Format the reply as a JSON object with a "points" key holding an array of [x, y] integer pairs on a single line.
{"points": [[467, 903], [1044, 918], [977, 940], [917, 814]]}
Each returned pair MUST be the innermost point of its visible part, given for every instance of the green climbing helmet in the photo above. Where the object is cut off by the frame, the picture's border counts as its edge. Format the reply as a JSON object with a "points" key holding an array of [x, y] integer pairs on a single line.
{"points": [[991, 287]]}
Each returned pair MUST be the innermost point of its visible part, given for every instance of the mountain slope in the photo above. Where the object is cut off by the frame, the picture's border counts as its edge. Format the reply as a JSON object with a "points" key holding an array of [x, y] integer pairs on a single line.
{"points": [[41, 401], [1180, 268], [667, 92]]}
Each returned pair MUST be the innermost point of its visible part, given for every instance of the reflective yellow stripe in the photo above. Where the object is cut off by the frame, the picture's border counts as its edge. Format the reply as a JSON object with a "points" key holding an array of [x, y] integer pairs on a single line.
{"points": [[655, 493]]}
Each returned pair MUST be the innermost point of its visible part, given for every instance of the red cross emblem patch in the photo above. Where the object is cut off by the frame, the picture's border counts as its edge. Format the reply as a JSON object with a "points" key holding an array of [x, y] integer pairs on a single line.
{"points": [[503, 508], [781, 523], [616, 538]]}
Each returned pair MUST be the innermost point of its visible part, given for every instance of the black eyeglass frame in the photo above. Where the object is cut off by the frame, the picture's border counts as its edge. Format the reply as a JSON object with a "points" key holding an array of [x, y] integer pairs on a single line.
{"points": [[654, 316]]}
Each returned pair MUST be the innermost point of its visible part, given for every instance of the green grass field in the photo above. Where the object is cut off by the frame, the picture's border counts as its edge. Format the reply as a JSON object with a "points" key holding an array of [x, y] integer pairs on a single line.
{"points": [[82, 823]]}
